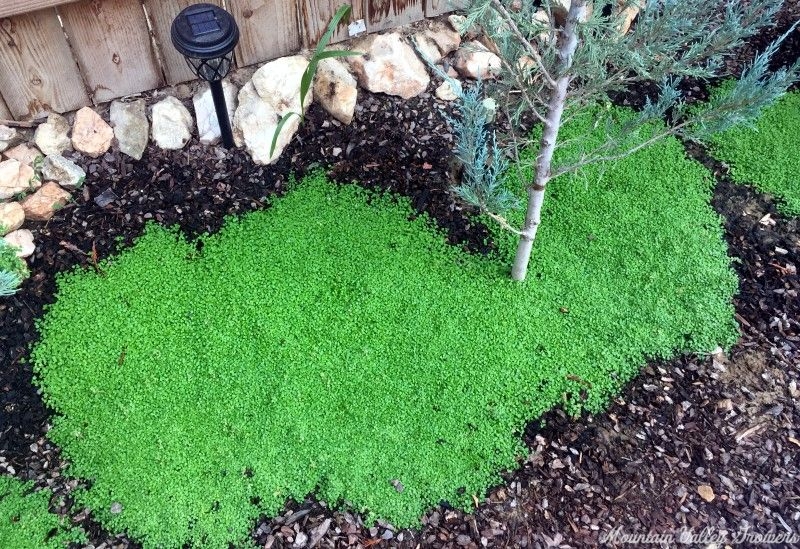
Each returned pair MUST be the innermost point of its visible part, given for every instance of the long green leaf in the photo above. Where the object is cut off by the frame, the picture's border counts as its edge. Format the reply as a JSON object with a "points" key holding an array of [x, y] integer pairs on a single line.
{"points": [[285, 118], [337, 53], [340, 14]]}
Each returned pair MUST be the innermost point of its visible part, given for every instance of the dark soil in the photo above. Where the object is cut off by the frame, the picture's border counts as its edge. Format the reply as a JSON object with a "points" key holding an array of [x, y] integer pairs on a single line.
{"points": [[726, 422]]}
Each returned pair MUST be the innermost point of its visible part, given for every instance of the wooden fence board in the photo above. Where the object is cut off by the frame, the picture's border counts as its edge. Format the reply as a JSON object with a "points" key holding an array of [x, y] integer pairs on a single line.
{"points": [[18, 7], [269, 29], [112, 43], [386, 14], [37, 72], [162, 13], [438, 7], [4, 112], [315, 15]]}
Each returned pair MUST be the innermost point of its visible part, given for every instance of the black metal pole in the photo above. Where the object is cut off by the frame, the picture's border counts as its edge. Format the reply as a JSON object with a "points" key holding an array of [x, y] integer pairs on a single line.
{"points": [[222, 113]]}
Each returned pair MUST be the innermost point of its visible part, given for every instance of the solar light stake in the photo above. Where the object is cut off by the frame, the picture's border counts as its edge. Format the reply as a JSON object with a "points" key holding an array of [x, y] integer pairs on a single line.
{"points": [[206, 35]]}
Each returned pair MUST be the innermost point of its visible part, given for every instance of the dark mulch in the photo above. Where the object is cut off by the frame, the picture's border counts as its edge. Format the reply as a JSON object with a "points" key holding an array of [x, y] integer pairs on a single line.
{"points": [[725, 422]]}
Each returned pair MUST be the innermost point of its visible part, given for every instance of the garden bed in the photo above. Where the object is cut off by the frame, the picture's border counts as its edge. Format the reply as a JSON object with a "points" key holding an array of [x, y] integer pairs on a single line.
{"points": [[728, 423]]}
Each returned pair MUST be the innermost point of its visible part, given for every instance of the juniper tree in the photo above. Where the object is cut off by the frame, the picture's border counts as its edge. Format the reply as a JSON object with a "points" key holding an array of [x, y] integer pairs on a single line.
{"points": [[561, 57]]}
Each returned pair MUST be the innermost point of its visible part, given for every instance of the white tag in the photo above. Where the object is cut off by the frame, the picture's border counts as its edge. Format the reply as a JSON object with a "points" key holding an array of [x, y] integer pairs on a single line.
{"points": [[356, 27]]}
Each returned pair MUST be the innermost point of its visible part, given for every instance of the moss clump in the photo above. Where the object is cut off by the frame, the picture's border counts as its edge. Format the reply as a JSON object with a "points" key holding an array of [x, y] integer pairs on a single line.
{"points": [[25, 521], [330, 345], [767, 154]]}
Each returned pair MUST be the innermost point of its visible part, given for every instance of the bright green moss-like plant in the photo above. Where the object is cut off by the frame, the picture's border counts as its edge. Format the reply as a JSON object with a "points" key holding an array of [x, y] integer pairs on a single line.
{"points": [[26, 522], [330, 345], [767, 153]]}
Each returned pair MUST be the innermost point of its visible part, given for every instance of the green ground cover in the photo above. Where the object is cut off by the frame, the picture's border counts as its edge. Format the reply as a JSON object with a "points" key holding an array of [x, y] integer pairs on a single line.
{"points": [[25, 521], [329, 344], [767, 154]]}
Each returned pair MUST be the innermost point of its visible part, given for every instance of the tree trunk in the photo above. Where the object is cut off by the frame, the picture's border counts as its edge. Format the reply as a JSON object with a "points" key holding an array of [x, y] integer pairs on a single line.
{"points": [[555, 108]]}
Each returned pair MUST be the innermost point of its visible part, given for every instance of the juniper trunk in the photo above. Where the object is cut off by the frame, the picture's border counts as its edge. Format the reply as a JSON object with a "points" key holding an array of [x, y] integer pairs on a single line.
{"points": [[552, 123]]}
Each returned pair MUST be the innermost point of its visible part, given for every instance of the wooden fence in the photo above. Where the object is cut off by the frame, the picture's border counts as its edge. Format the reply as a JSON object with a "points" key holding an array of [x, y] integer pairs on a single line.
{"points": [[60, 55]]}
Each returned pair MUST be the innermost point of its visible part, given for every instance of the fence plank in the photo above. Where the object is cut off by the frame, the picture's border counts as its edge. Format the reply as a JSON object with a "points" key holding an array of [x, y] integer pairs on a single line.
{"points": [[4, 112], [269, 29], [438, 7], [386, 14], [111, 41], [162, 13], [315, 15], [18, 7], [38, 72]]}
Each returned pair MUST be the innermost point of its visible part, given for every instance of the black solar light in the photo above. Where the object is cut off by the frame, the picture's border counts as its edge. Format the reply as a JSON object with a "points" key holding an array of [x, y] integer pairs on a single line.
{"points": [[205, 35]]}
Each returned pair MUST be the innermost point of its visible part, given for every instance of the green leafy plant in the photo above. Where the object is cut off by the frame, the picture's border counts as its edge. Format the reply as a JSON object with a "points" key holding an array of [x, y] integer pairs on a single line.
{"points": [[311, 70], [392, 356], [25, 520]]}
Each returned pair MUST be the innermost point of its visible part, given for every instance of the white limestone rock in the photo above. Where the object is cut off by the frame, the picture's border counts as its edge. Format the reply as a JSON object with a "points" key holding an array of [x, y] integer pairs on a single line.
{"points": [[438, 40], [91, 134], [12, 216], [206, 114], [16, 178], [336, 89], [389, 66], [273, 92], [23, 240], [172, 124], [63, 171], [279, 83], [52, 137], [255, 124], [131, 127], [474, 60]]}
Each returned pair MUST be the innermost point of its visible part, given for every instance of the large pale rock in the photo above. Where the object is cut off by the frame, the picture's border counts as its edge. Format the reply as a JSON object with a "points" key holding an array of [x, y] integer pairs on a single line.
{"points": [[8, 137], [389, 66], [255, 124], [12, 216], [427, 49], [63, 171], [273, 92], [474, 60], [279, 83], [25, 154], [90, 133], [131, 127], [15, 178], [23, 240], [438, 41], [52, 137], [336, 89], [172, 124], [41, 205], [206, 114]]}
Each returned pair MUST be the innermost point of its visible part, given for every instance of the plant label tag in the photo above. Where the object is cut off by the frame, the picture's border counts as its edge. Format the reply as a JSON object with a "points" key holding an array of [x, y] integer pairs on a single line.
{"points": [[356, 27]]}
